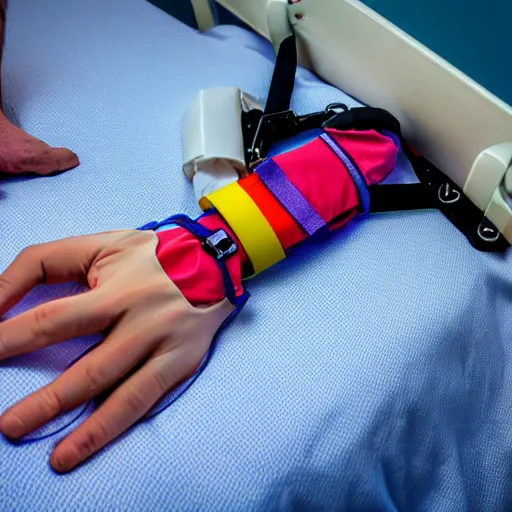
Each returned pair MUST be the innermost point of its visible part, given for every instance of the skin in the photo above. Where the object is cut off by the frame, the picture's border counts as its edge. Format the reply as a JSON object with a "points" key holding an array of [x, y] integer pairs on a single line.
{"points": [[21, 153], [151, 328]]}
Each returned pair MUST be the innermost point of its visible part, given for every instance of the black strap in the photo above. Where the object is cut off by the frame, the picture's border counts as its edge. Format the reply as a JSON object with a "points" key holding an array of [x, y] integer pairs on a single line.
{"points": [[364, 118], [399, 197], [260, 129], [283, 78]]}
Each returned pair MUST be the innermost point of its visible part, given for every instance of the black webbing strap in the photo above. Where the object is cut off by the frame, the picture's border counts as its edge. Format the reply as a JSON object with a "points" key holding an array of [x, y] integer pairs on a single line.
{"points": [[399, 197], [277, 121], [283, 77]]}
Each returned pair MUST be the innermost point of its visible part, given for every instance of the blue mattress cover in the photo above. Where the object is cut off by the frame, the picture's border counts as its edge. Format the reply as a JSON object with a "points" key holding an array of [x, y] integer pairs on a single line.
{"points": [[371, 375]]}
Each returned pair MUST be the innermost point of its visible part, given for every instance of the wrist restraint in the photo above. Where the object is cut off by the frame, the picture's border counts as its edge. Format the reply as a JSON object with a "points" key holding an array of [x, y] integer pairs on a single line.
{"points": [[271, 211], [303, 195]]}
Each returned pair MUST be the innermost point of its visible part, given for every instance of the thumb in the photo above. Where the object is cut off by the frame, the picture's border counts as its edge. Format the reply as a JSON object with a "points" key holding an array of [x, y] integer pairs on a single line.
{"points": [[63, 159], [50, 263]]}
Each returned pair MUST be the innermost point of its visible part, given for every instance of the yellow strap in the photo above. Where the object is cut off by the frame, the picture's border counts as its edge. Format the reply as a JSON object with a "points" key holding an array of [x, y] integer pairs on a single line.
{"points": [[249, 224]]}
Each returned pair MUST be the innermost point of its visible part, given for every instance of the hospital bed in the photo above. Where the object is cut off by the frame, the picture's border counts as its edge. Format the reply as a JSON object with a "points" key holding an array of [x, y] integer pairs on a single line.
{"points": [[372, 375]]}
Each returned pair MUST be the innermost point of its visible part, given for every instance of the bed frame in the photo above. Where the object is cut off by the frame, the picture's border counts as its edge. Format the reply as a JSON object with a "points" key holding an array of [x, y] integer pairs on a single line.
{"points": [[457, 124]]}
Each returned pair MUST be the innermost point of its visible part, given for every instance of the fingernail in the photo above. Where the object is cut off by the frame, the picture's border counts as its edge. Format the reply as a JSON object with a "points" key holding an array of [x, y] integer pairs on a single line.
{"points": [[11, 427], [63, 460]]}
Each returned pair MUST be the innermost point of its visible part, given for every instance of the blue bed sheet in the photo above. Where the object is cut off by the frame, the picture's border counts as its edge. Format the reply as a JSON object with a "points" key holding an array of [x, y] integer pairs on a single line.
{"points": [[371, 375]]}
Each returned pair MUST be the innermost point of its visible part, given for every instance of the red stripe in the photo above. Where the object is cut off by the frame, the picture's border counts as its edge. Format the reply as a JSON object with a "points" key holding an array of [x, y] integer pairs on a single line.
{"points": [[321, 177], [283, 224]]}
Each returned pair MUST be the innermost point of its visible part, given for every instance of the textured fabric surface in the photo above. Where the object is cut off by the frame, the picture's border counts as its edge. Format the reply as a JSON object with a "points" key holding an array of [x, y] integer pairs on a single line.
{"points": [[373, 374]]}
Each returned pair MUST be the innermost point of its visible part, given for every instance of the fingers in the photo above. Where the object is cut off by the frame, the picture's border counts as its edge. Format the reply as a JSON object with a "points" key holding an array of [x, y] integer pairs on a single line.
{"points": [[43, 160], [52, 323], [128, 404], [90, 376], [62, 159], [54, 262]]}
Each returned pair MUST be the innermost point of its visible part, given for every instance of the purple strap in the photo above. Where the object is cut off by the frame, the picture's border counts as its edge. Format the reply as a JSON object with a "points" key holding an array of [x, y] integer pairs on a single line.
{"points": [[353, 169], [290, 197], [394, 137]]}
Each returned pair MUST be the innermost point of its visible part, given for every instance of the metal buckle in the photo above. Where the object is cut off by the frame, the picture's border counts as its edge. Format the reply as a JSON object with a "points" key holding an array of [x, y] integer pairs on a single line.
{"points": [[280, 125], [220, 245]]}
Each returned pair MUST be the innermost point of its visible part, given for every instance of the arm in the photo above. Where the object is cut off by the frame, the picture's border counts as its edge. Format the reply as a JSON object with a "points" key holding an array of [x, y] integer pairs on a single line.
{"points": [[161, 295], [19, 151]]}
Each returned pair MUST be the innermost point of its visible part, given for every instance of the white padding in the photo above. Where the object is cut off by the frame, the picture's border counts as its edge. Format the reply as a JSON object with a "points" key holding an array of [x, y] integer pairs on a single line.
{"points": [[212, 129], [487, 173], [213, 142], [212, 176]]}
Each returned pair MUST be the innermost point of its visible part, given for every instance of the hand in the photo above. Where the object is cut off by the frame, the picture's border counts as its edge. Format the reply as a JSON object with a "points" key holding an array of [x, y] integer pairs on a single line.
{"points": [[149, 321], [21, 153]]}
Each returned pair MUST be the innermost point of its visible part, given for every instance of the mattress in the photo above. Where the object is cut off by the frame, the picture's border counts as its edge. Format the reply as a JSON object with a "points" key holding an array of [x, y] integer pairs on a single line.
{"points": [[371, 375]]}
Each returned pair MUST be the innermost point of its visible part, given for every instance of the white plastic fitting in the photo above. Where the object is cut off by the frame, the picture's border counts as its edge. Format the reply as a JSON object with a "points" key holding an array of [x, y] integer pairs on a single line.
{"points": [[489, 186], [213, 145]]}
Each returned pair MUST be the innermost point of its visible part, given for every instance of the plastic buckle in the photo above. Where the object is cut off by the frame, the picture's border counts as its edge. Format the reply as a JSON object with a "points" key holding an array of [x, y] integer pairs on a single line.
{"points": [[220, 245]]}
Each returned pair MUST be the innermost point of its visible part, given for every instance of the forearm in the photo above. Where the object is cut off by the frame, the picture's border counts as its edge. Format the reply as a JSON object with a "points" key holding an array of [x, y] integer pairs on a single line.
{"points": [[328, 197]]}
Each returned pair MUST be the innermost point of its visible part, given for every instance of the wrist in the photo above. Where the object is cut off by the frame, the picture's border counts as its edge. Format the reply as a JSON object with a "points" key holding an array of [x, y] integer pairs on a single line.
{"points": [[194, 271]]}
